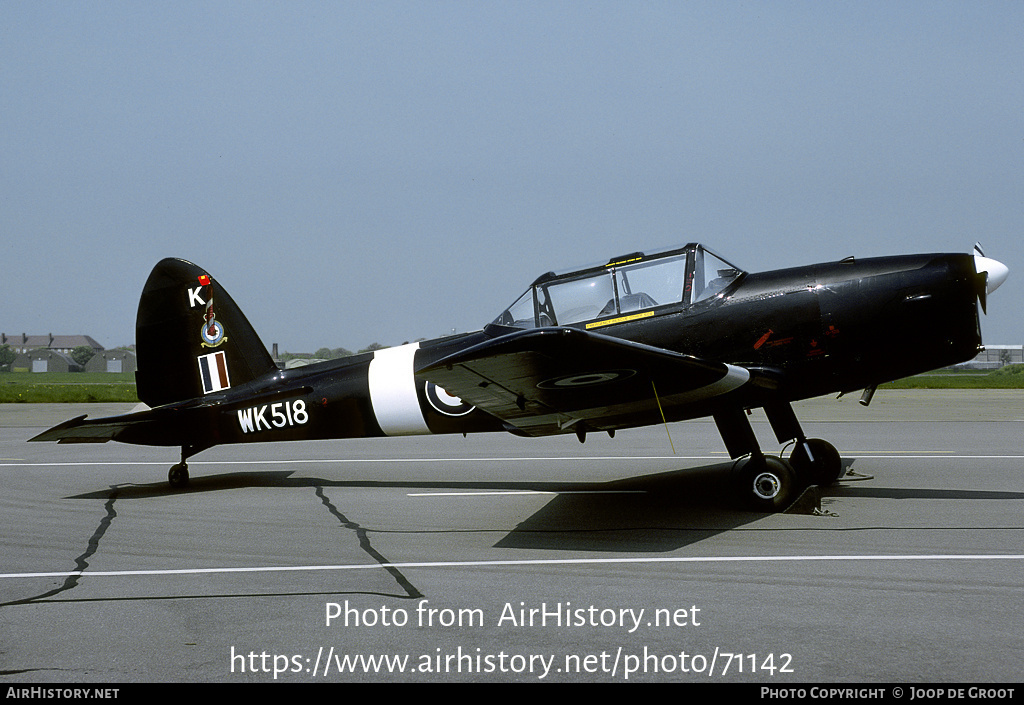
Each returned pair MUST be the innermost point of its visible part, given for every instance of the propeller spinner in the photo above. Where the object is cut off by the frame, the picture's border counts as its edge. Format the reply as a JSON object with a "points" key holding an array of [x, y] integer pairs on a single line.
{"points": [[991, 273], [995, 271]]}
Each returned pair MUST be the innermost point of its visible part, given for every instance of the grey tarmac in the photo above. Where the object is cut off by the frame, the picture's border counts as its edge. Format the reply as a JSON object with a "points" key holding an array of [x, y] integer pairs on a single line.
{"points": [[497, 558]]}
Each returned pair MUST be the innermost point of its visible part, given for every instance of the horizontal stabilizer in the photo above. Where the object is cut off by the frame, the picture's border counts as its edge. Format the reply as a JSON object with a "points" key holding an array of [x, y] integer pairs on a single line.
{"points": [[79, 430], [192, 422]]}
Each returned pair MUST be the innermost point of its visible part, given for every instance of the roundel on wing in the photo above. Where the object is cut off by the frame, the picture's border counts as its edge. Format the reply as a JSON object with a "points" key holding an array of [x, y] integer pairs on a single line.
{"points": [[445, 403], [586, 379]]}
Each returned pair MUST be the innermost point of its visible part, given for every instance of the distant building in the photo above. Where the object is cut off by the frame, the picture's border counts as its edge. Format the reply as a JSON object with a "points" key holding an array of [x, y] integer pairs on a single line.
{"points": [[59, 343], [44, 360], [996, 356], [299, 362], [119, 360], [47, 353]]}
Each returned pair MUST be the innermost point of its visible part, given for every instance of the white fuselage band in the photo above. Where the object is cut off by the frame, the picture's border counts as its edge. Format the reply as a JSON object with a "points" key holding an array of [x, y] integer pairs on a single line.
{"points": [[393, 391]]}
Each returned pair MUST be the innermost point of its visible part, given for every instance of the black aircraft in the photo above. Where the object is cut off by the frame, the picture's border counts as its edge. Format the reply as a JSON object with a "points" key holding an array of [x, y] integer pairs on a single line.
{"points": [[647, 338]]}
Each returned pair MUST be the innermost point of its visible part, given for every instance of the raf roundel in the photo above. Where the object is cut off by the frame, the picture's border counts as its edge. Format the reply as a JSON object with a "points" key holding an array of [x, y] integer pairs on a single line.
{"points": [[586, 379], [445, 403]]}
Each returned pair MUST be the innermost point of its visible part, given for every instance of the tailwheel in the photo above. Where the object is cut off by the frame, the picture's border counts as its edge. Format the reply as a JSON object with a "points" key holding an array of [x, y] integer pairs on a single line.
{"points": [[178, 475], [766, 483], [816, 462]]}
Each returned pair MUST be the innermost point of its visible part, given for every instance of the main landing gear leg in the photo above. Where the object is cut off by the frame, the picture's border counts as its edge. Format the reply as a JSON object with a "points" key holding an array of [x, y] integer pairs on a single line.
{"points": [[765, 483], [815, 461]]}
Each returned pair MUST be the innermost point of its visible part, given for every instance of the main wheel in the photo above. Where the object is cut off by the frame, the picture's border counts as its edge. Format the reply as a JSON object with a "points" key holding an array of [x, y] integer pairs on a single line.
{"points": [[824, 465], [766, 483], [178, 475]]}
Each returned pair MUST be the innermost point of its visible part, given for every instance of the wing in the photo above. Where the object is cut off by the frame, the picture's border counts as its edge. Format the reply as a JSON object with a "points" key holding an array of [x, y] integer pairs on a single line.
{"points": [[547, 380]]}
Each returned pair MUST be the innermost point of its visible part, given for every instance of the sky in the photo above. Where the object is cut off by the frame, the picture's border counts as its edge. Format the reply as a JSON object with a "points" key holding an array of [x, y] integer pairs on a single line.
{"points": [[379, 172]]}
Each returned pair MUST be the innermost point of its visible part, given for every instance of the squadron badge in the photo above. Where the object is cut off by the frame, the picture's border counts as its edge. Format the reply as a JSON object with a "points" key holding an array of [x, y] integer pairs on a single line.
{"points": [[212, 331]]}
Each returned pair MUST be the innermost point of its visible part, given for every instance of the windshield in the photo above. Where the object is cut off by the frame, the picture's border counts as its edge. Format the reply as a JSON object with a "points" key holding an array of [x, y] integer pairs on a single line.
{"points": [[622, 290], [711, 274]]}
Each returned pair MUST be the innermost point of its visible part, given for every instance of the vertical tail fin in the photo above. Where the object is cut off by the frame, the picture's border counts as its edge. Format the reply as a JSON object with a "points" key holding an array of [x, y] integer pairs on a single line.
{"points": [[191, 338]]}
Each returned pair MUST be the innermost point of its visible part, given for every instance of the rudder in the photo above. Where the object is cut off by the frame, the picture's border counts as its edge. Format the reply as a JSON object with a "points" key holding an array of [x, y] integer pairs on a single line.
{"points": [[191, 338]]}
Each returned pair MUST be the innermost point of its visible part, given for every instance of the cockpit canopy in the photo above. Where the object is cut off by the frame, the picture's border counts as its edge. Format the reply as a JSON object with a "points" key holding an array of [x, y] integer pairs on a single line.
{"points": [[627, 286]]}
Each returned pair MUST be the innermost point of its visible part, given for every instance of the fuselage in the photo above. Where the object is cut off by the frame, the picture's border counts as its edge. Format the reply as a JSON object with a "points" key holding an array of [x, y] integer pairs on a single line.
{"points": [[803, 332]]}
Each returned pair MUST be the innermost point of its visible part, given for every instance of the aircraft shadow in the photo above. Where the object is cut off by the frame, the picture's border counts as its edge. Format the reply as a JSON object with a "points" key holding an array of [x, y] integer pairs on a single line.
{"points": [[917, 493], [646, 513], [854, 489], [696, 480], [642, 514]]}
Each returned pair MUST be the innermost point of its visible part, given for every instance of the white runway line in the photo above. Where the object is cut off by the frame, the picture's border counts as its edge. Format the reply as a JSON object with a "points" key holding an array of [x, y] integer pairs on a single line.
{"points": [[881, 454], [524, 562], [306, 461], [487, 493]]}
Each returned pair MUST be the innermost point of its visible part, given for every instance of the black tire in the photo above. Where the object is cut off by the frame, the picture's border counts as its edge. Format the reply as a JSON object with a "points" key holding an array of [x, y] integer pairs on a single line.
{"points": [[826, 468], [766, 483], [178, 475]]}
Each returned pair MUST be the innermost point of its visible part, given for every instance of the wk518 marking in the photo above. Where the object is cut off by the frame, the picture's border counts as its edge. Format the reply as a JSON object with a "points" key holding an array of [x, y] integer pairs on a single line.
{"points": [[271, 416]]}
